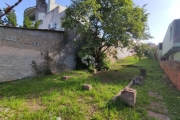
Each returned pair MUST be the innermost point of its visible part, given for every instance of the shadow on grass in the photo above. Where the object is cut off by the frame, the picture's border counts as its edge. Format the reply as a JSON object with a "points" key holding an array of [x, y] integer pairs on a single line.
{"points": [[37, 85], [118, 105]]}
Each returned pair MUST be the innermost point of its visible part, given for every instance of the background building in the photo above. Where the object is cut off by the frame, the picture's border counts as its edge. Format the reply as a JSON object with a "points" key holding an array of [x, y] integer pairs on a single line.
{"points": [[50, 14], [169, 49]]}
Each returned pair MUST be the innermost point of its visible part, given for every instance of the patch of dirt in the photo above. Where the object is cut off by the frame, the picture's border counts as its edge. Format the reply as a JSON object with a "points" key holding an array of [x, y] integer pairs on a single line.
{"points": [[165, 77], [34, 106], [159, 106], [154, 94], [158, 116], [92, 109]]}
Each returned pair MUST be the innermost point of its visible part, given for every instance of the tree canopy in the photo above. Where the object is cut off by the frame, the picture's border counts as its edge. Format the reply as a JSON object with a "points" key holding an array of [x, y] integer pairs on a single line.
{"points": [[9, 8], [105, 23], [10, 19], [27, 23]]}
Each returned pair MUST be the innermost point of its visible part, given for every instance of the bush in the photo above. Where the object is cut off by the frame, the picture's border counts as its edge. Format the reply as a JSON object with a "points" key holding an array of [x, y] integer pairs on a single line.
{"points": [[43, 68]]}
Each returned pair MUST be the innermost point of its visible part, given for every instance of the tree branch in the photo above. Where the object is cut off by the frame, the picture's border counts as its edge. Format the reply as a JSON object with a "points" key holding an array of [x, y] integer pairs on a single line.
{"points": [[10, 8], [105, 49]]}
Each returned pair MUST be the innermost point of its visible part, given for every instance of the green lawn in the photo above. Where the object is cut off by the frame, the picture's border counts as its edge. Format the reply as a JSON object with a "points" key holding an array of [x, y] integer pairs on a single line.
{"points": [[45, 98]]}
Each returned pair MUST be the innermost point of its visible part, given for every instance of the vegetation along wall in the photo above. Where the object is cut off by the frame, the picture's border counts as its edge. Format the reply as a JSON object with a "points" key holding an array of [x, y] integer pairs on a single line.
{"points": [[19, 47], [172, 69]]}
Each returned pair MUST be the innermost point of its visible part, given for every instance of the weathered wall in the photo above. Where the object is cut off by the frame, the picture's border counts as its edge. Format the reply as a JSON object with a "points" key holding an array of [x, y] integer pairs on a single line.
{"points": [[15, 62], [172, 69], [19, 47], [40, 40]]}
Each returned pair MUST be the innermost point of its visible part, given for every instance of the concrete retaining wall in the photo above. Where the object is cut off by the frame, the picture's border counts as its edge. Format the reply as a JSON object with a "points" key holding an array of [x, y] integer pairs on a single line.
{"points": [[19, 47]]}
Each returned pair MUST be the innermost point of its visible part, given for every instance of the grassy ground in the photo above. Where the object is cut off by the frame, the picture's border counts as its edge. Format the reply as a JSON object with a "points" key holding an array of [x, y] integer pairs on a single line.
{"points": [[45, 98]]}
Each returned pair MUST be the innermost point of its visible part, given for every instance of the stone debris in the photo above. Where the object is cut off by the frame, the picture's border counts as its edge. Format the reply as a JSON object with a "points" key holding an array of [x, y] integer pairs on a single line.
{"points": [[86, 87], [65, 78]]}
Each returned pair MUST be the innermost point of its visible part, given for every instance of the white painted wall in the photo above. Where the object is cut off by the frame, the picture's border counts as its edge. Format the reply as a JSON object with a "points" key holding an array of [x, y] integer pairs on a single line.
{"points": [[53, 16], [52, 5], [177, 56], [167, 43]]}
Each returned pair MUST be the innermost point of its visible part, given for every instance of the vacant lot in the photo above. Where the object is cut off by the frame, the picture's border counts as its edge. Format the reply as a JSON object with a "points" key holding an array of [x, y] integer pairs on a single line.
{"points": [[50, 97]]}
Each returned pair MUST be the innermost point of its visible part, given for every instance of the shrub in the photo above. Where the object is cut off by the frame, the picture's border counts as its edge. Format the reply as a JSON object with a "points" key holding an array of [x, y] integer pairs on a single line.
{"points": [[43, 68]]}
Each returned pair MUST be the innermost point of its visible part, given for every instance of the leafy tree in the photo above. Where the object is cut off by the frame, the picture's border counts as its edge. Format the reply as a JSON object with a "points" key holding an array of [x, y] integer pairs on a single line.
{"points": [[1, 21], [10, 15], [105, 23], [27, 23], [150, 53], [37, 23], [140, 48], [9, 8], [143, 50], [11, 18]]}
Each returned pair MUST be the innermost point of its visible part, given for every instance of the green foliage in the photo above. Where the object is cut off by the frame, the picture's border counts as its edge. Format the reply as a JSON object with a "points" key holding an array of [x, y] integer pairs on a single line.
{"points": [[105, 23], [36, 25], [140, 49], [49, 97], [1, 21], [43, 68], [143, 50], [150, 53], [10, 19], [27, 23]]}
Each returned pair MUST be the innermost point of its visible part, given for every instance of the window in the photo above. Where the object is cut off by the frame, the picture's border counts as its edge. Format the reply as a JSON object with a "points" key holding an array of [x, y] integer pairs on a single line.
{"points": [[160, 46]]}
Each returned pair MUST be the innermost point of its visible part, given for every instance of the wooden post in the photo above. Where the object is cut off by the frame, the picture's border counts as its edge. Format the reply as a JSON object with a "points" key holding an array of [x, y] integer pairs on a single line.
{"points": [[143, 72]]}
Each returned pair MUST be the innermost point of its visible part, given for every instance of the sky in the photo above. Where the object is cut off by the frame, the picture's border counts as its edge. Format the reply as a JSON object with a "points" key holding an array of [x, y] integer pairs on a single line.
{"points": [[162, 13]]}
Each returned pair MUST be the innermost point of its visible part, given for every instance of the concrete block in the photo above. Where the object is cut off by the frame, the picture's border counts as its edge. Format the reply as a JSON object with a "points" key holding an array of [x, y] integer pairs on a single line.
{"points": [[143, 72], [138, 80], [128, 95]]}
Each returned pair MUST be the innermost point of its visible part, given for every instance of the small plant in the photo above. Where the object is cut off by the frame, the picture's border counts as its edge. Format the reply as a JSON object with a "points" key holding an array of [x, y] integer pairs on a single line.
{"points": [[43, 68]]}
